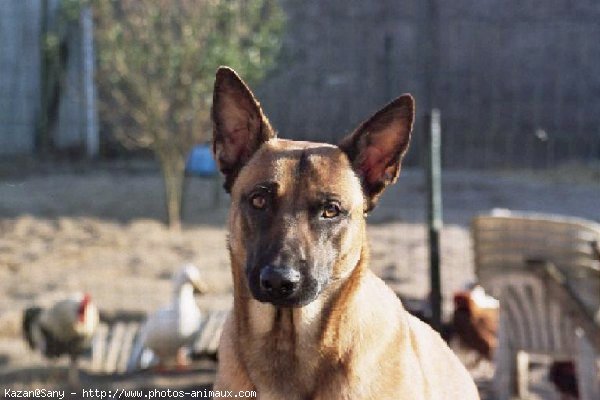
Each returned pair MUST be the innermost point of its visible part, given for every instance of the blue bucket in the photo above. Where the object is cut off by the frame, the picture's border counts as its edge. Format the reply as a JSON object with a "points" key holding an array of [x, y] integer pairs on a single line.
{"points": [[201, 162]]}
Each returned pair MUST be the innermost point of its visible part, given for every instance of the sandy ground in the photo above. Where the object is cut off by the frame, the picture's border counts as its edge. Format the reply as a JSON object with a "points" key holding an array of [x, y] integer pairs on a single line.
{"points": [[98, 229]]}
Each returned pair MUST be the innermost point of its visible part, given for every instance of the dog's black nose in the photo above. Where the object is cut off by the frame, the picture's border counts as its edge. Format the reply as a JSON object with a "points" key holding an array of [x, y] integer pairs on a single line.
{"points": [[279, 282]]}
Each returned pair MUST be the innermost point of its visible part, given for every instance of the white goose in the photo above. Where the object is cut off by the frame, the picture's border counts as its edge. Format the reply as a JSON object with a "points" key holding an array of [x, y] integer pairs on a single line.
{"points": [[169, 330]]}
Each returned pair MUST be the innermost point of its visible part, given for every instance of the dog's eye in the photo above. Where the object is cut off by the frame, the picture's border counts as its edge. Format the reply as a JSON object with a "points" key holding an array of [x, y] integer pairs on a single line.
{"points": [[331, 210], [258, 201]]}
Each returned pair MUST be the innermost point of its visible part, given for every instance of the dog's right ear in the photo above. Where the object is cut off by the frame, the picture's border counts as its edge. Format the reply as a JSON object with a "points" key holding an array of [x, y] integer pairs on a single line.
{"points": [[239, 124]]}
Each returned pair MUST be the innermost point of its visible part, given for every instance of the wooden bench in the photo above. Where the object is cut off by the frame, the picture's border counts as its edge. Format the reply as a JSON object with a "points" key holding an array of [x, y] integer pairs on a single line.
{"points": [[206, 343], [114, 342], [545, 271]]}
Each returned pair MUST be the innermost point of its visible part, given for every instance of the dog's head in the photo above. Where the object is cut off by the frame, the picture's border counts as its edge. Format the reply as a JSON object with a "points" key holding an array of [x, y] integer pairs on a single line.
{"points": [[297, 215]]}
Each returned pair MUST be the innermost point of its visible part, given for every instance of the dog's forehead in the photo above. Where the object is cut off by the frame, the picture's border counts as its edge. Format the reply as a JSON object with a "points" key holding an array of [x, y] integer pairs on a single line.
{"points": [[318, 167]]}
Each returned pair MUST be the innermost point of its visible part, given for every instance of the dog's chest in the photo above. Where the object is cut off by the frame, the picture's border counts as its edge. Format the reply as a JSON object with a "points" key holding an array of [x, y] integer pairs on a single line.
{"points": [[282, 363]]}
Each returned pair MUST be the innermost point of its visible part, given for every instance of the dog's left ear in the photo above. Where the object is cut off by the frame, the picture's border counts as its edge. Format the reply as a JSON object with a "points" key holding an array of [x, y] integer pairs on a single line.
{"points": [[377, 146]]}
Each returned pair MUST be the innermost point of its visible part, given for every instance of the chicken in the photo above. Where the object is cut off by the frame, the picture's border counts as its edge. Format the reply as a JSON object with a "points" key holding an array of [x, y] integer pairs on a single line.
{"points": [[169, 330], [65, 328], [475, 321], [563, 375]]}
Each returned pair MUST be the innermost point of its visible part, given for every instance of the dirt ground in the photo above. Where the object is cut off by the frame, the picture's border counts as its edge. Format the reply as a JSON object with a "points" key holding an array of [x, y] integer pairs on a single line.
{"points": [[97, 228]]}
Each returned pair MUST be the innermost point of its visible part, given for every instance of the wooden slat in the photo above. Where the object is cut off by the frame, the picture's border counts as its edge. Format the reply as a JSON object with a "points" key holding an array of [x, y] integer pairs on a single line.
{"points": [[208, 331], [214, 343], [131, 329], [99, 347], [114, 347]]}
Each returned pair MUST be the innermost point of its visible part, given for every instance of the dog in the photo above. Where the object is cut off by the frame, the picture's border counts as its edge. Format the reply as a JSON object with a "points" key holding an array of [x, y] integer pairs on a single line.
{"points": [[309, 319]]}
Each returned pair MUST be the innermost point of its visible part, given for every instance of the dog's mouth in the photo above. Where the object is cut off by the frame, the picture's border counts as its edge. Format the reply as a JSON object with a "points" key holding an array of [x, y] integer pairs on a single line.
{"points": [[288, 302], [282, 286]]}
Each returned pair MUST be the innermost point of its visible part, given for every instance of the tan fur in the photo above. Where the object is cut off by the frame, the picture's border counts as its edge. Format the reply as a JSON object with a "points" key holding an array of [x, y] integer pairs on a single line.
{"points": [[355, 340]]}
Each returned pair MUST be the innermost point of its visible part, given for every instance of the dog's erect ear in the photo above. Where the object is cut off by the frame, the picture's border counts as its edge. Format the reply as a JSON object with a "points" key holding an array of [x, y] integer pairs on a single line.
{"points": [[377, 146], [239, 125]]}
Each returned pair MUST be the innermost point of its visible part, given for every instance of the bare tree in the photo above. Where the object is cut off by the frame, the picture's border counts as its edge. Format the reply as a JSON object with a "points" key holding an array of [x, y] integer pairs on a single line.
{"points": [[156, 68]]}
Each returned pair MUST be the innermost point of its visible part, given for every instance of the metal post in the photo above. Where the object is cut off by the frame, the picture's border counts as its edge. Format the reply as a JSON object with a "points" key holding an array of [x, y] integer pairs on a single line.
{"points": [[92, 141], [434, 213]]}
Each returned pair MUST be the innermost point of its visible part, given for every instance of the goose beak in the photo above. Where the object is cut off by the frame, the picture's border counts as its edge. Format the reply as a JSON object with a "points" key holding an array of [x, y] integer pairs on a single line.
{"points": [[200, 286]]}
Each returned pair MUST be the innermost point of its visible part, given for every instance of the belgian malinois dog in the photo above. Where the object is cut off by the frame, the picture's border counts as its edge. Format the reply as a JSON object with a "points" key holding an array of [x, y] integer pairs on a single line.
{"points": [[310, 320]]}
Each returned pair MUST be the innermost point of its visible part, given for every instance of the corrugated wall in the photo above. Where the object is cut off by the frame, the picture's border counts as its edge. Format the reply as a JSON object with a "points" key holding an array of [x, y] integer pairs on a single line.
{"points": [[518, 82], [19, 74], [20, 79]]}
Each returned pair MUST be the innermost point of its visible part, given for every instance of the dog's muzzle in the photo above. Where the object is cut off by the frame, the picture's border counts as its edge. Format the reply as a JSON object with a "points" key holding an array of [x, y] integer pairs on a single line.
{"points": [[282, 285], [278, 284]]}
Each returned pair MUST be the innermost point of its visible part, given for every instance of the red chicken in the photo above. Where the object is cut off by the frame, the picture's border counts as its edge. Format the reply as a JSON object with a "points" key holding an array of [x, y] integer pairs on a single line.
{"points": [[475, 321]]}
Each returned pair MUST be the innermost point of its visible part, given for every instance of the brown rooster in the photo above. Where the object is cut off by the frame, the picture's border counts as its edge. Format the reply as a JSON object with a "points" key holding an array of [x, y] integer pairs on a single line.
{"points": [[475, 321]]}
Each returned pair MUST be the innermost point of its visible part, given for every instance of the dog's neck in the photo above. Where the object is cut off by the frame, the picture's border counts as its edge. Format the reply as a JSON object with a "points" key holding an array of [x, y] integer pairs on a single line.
{"points": [[295, 346]]}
